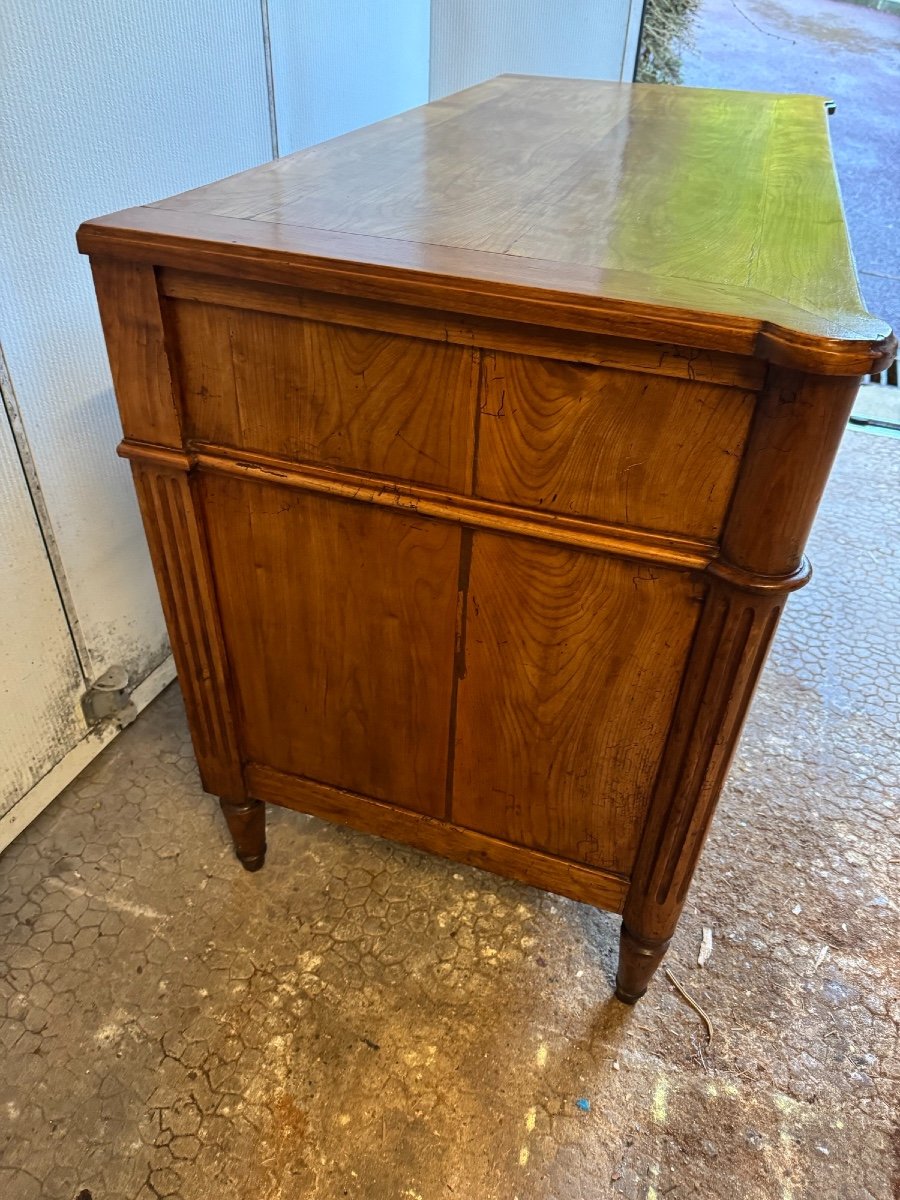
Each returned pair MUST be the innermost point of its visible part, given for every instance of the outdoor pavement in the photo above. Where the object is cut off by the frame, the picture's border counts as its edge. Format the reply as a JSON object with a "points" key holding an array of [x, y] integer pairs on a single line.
{"points": [[362, 1021], [849, 54]]}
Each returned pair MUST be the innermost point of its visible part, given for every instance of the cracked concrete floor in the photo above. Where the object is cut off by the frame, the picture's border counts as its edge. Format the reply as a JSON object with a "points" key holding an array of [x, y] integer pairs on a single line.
{"points": [[360, 1020]]}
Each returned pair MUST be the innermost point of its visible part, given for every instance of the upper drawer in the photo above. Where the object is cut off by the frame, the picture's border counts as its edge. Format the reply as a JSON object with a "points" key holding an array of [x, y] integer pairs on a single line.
{"points": [[631, 448], [323, 393]]}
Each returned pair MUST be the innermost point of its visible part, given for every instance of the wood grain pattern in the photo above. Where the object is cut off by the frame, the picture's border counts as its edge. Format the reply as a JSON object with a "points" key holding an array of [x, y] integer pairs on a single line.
{"points": [[589, 884], [800, 249], [463, 329], [602, 300], [181, 564], [135, 342], [641, 451], [477, 452], [572, 665], [340, 621], [797, 428], [720, 206], [326, 393], [133, 326], [248, 191], [493, 173], [733, 639], [795, 434], [561, 170]]}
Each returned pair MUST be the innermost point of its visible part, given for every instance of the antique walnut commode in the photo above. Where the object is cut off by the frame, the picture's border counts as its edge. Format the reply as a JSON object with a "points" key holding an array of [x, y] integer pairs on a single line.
{"points": [[477, 451]]}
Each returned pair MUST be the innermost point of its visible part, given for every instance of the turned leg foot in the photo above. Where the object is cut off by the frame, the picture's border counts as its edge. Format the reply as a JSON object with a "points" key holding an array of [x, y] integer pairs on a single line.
{"points": [[638, 959], [247, 826]]}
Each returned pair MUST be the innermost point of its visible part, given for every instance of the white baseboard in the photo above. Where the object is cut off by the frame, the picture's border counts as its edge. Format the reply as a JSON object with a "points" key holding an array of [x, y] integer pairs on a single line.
{"points": [[50, 785]]}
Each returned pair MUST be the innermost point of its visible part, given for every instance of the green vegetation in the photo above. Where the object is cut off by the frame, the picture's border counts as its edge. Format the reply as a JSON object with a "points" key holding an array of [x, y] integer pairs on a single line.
{"points": [[666, 32]]}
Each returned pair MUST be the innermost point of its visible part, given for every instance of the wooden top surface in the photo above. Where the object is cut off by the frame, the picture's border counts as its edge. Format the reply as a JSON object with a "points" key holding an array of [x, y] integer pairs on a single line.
{"points": [[616, 200]]}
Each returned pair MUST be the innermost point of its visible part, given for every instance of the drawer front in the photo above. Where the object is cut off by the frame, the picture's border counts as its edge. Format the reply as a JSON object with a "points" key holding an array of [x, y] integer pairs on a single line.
{"points": [[635, 449], [327, 394], [339, 623], [572, 667]]}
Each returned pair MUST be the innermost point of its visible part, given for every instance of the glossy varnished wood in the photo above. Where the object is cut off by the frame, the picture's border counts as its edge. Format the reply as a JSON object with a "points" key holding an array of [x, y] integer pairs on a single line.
{"points": [[782, 477], [571, 666], [636, 544], [720, 208], [464, 329], [326, 393], [180, 559], [638, 450], [477, 452], [339, 620]]}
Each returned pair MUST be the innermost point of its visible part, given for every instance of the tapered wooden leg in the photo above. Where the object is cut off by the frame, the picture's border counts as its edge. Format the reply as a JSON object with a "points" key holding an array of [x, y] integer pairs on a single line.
{"points": [[638, 959], [247, 825]]}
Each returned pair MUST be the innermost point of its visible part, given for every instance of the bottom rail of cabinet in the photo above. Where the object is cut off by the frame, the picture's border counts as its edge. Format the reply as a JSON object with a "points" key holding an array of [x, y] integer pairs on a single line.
{"points": [[603, 889]]}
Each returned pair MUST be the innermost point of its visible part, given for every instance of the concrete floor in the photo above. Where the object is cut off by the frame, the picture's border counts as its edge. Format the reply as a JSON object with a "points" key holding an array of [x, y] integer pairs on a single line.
{"points": [[360, 1020]]}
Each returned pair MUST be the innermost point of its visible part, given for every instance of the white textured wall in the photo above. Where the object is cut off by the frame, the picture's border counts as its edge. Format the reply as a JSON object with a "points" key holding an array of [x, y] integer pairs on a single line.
{"points": [[110, 103], [339, 64], [472, 40], [105, 104], [39, 678]]}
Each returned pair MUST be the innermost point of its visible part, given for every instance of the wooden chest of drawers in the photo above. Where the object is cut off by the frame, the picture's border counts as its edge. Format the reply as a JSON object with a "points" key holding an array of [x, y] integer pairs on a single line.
{"points": [[477, 451]]}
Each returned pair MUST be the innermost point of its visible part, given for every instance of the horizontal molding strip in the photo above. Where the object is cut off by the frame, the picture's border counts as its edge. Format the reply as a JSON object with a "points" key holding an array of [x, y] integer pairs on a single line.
{"points": [[761, 585], [580, 533], [161, 457], [588, 884], [666, 550]]}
